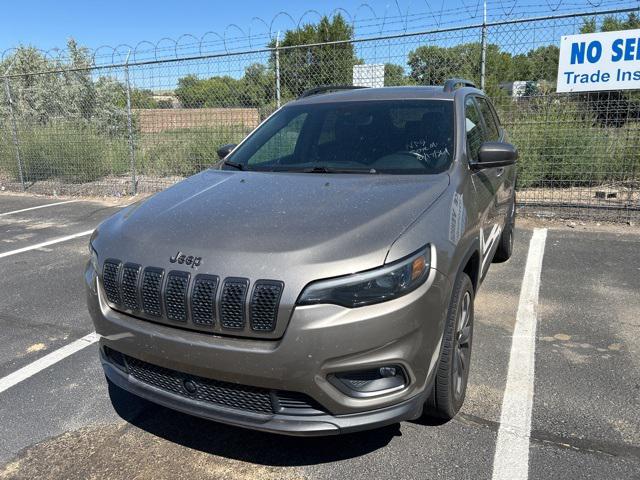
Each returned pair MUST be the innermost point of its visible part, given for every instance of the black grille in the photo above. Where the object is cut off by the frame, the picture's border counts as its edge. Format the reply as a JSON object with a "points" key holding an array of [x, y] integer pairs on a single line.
{"points": [[234, 294], [294, 403], [151, 287], [175, 296], [110, 281], [203, 300], [129, 286], [224, 394], [264, 305]]}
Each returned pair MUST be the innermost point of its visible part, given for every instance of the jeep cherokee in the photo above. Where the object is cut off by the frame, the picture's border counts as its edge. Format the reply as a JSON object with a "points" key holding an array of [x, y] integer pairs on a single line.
{"points": [[321, 278]]}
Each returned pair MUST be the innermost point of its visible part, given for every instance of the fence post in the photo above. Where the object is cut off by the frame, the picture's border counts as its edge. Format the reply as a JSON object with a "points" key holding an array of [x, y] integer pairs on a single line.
{"points": [[483, 59], [16, 144], [132, 153], [278, 70]]}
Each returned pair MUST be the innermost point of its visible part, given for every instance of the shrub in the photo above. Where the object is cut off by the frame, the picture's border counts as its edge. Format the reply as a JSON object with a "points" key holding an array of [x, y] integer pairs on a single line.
{"points": [[560, 145], [72, 152], [186, 151]]}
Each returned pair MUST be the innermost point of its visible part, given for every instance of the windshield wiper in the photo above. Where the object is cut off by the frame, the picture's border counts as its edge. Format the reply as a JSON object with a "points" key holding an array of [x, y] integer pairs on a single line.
{"points": [[236, 165], [338, 170]]}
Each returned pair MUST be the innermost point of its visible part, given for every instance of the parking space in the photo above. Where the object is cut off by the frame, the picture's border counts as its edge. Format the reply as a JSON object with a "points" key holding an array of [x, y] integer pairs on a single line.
{"points": [[62, 422]]}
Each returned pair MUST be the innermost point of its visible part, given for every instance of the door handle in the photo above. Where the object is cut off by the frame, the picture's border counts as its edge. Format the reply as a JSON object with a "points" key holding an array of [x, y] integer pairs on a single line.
{"points": [[499, 171]]}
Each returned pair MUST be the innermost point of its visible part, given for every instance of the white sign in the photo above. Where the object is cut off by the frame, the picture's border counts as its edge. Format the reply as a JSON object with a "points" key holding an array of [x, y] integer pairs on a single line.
{"points": [[368, 75], [599, 61]]}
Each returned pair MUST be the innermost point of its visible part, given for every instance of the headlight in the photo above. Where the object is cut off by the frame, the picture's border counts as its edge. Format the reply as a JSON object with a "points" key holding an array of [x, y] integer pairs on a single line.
{"points": [[373, 286], [93, 256]]}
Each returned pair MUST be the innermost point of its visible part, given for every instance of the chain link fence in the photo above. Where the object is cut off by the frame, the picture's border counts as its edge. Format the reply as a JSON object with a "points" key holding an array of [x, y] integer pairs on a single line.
{"points": [[72, 126]]}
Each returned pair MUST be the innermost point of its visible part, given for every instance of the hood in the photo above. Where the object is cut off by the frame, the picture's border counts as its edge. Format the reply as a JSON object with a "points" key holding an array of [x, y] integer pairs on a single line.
{"points": [[248, 217], [292, 227]]}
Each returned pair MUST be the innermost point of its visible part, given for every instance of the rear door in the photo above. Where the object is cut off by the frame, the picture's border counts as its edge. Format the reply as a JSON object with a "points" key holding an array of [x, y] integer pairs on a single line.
{"points": [[502, 177], [486, 181]]}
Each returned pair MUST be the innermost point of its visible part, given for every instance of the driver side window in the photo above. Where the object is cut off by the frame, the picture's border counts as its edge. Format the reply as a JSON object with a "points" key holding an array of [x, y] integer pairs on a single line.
{"points": [[473, 128]]}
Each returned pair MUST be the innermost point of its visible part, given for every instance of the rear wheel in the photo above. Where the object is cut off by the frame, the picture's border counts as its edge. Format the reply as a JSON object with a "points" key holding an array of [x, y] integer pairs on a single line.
{"points": [[450, 384]]}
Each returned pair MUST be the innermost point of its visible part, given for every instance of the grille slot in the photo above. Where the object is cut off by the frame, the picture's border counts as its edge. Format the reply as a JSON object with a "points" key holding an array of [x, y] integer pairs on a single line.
{"points": [[110, 280], [129, 286], [203, 300], [232, 303], [230, 395], [175, 296], [294, 403], [151, 288], [264, 305]]}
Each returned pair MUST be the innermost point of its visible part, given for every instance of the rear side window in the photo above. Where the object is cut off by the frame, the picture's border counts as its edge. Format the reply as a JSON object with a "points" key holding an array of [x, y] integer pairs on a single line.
{"points": [[493, 131], [473, 127]]}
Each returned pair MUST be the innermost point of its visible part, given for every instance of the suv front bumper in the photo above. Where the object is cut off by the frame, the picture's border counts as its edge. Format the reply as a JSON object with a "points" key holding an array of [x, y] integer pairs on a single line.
{"points": [[319, 340], [316, 425]]}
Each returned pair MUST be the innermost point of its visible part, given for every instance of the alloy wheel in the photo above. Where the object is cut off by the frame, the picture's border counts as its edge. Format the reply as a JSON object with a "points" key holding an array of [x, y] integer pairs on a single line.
{"points": [[462, 346]]}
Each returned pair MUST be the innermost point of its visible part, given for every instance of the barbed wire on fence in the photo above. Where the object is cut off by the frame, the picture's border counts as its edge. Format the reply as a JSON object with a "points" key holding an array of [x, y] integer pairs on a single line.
{"points": [[365, 21]]}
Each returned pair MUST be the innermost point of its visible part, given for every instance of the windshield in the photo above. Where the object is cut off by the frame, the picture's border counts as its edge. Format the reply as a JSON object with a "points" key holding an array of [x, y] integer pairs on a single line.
{"points": [[397, 137]]}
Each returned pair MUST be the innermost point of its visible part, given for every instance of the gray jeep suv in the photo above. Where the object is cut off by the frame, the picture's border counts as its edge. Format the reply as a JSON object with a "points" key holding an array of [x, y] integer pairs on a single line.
{"points": [[321, 278]]}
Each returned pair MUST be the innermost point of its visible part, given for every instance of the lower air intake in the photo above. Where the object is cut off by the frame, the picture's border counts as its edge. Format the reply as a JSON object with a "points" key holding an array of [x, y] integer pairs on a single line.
{"points": [[223, 394]]}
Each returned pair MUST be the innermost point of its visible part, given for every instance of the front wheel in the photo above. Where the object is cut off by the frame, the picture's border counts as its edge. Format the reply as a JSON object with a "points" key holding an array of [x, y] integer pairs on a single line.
{"points": [[450, 384]]}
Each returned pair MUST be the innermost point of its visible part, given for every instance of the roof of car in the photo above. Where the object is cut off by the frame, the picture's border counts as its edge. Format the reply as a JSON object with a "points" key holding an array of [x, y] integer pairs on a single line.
{"points": [[381, 93]]}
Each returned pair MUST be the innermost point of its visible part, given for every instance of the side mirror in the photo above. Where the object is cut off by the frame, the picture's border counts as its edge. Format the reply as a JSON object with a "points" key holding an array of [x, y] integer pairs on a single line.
{"points": [[496, 154], [225, 150]]}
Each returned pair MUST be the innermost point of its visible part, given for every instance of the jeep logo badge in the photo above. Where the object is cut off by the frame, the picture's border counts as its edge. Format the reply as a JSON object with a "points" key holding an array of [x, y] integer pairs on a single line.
{"points": [[182, 258]]}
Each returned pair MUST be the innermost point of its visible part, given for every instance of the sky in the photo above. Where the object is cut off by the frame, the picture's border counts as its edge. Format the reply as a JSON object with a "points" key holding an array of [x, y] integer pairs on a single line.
{"points": [[48, 24]]}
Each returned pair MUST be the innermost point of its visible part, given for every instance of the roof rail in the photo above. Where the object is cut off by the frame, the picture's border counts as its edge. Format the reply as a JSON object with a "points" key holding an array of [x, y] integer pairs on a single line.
{"points": [[454, 83], [328, 88]]}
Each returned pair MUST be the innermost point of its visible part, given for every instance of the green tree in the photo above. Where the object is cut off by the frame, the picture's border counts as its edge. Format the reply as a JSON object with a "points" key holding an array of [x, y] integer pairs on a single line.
{"points": [[306, 67], [257, 87], [432, 65], [538, 64], [394, 75], [219, 91], [68, 93], [611, 24]]}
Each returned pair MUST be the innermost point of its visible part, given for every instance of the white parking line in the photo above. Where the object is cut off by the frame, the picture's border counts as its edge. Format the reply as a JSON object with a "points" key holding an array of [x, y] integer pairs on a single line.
{"points": [[36, 208], [46, 361], [511, 459], [45, 244]]}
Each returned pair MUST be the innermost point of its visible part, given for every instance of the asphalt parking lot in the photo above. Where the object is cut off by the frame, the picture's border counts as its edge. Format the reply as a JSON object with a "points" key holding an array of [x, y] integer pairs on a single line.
{"points": [[580, 399]]}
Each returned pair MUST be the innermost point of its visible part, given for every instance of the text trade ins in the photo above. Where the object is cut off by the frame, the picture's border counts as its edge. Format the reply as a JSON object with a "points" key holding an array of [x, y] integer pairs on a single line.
{"points": [[599, 61]]}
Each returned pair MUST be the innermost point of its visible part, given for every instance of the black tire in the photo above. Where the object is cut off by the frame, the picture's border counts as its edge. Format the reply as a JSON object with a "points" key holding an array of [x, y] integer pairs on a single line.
{"points": [[450, 383], [505, 245]]}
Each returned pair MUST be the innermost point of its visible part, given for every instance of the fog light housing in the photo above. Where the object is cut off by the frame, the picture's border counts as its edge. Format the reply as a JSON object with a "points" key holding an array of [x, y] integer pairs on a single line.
{"points": [[370, 382]]}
